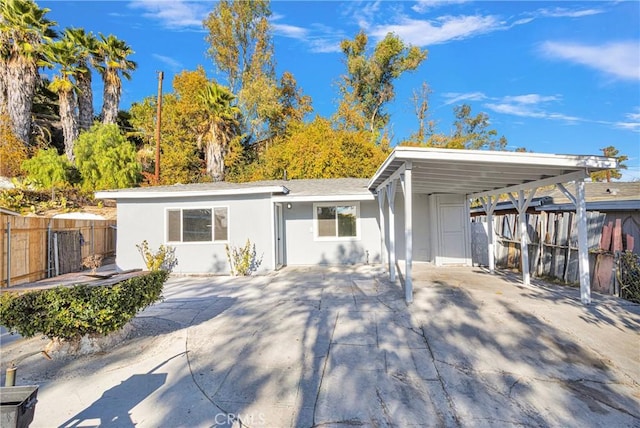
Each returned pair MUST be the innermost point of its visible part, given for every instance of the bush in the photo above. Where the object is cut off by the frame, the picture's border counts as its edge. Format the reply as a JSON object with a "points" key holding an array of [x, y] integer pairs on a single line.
{"points": [[37, 201], [48, 169], [163, 259], [72, 312], [105, 159], [243, 261]]}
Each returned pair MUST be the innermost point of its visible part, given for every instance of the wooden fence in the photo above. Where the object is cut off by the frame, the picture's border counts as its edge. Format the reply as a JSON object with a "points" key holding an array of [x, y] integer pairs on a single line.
{"points": [[33, 248], [553, 245]]}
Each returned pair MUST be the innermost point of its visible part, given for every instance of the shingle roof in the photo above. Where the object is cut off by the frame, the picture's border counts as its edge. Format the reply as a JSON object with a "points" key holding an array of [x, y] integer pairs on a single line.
{"points": [[292, 188], [596, 192]]}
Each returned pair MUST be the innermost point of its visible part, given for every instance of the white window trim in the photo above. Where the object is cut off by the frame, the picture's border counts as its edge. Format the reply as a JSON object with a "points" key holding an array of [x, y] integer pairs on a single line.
{"points": [[336, 204], [181, 209]]}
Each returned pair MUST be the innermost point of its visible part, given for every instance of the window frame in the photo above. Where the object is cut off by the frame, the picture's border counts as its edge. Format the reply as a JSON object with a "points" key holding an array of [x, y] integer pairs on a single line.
{"points": [[182, 209], [316, 228]]}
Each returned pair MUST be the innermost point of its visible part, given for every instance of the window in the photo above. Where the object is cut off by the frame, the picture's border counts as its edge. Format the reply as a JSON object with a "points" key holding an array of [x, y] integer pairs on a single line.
{"points": [[197, 225], [336, 221]]}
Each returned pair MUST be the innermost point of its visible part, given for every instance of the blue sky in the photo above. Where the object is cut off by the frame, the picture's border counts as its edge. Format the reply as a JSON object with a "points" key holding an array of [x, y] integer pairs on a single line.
{"points": [[554, 77]]}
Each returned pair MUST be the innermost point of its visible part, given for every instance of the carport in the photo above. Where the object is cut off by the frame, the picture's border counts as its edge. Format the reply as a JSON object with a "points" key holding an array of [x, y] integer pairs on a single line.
{"points": [[438, 185]]}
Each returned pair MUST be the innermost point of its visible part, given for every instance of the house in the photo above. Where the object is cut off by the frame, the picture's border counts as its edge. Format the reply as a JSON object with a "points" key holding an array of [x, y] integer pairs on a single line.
{"points": [[414, 208]]}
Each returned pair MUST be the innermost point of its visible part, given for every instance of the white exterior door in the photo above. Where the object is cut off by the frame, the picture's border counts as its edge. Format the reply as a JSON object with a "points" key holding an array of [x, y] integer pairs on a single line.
{"points": [[453, 234]]}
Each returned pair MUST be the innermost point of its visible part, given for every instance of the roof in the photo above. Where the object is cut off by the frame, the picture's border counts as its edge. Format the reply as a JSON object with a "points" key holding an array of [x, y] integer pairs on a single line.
{"points": [[483, 172], [593, 191], [308, 189], [616, 196]]}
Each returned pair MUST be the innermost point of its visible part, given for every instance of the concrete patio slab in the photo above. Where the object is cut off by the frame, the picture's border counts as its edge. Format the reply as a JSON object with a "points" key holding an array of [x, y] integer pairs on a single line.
{"points": [[337, 346]]}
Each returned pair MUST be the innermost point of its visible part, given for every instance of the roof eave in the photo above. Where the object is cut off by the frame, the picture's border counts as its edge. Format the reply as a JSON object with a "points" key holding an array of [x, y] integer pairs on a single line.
{"points": [[116, 194]]}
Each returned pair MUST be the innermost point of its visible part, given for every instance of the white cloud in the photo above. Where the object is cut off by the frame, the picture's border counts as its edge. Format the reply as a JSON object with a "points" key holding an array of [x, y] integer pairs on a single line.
{"points": [[560, 12], [318, 37], [441, 30], [424, 5], [174, 14], [530, 105], [291, 31], [618, 59], [456, 97], [175, 65], [632, 122], [530, 99]]}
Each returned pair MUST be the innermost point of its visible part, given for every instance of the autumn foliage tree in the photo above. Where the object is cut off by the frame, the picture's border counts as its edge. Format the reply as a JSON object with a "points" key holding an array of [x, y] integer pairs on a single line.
{"points": [[318, 150], [181, 161]]}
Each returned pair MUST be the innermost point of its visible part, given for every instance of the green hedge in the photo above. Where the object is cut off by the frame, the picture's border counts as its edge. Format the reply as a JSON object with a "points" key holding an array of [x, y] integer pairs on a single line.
{"points": [[72, 312]]}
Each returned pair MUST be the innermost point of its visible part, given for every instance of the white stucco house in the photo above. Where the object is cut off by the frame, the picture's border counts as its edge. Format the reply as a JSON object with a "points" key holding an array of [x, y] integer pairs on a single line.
{"points": [[414, 209]]}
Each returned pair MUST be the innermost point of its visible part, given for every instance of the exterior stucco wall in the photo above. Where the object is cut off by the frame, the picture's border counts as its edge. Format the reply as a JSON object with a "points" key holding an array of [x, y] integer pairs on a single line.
{"points": [[302, 248], [421, 221], [249, 216]]}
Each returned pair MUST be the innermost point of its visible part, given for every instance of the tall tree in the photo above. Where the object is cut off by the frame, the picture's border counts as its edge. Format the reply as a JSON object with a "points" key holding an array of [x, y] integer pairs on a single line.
{"points": [[86, 57], [182, 111], [24, 29], [63, 54], [293, 105], [426, 127], [470, 132], [318, 150], [241, 47], [607, 175], [219, 127], [113, 64], [368, 84]]}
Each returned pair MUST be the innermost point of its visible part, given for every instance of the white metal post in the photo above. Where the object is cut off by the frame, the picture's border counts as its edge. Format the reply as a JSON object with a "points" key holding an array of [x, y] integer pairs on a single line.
{"points": [[583, 245], [391, 197], [489, 206], [524, 238], [408, 232], [383, 245]]}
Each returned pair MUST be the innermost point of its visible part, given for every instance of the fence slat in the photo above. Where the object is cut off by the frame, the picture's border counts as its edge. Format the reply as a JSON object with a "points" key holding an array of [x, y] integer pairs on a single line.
{"points": [[30, 245]]}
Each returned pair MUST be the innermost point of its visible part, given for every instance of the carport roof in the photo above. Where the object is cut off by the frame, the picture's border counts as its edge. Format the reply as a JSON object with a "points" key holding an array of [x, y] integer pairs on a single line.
{"points": [[481, 172]]}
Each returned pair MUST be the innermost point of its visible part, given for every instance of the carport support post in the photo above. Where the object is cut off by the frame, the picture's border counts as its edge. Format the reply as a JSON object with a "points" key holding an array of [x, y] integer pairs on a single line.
{"points": [[408, 231], [383, 245], [522, 204], [583, 238], [583, 246], [391, 197], [489, 206]]}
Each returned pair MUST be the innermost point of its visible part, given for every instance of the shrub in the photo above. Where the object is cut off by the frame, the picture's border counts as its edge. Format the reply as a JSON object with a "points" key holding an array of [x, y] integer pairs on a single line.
{"points": [[48, 169], [628, 275], [243, 261], [163, 259], [105, 159], [12, 151], [72, 312]]}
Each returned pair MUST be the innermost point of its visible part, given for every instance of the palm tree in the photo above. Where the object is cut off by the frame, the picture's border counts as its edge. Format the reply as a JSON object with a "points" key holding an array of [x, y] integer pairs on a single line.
{"points": [[23, 31], [112, 54], [219, 126], [63, 54], [87, 51]]}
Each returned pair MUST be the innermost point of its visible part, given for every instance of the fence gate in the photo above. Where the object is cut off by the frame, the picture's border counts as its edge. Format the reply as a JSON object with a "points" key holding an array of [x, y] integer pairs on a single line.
{"points": [[67, 251]]}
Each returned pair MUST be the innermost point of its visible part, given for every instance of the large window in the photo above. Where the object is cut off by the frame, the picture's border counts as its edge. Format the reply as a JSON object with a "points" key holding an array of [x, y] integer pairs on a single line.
{"points": [[336, 221], [197, 225]]}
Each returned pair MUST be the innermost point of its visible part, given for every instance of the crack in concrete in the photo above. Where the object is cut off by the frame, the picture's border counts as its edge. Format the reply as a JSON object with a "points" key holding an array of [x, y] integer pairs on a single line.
{"points": [[452, 409], [385, 410], [324, 368]]}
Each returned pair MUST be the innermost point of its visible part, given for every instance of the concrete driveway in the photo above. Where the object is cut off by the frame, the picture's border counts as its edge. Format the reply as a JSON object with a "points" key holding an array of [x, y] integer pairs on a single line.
{"points": [[333, 347]]}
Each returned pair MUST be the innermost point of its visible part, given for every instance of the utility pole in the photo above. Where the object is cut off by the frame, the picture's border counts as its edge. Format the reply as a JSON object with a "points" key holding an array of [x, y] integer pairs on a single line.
{"points": [[158, 123]]}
